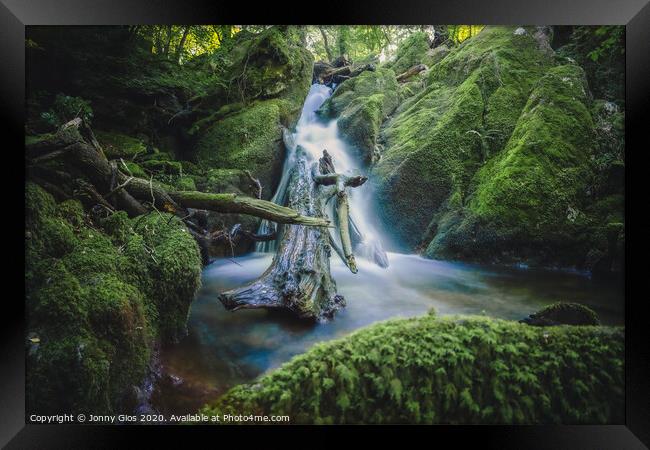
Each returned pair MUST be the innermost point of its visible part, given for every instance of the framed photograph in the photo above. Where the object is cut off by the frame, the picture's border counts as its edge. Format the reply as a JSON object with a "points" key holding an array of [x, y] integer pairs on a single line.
{"points": [[413, 215]]}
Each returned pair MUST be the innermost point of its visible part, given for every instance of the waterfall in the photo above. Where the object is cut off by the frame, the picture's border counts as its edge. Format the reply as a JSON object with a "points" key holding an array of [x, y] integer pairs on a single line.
{"points": [[314, 136]]}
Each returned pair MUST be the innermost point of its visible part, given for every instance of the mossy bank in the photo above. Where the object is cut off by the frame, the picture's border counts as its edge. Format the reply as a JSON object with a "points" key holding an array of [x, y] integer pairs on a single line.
{"points": [[99, 295], [458, 370]]}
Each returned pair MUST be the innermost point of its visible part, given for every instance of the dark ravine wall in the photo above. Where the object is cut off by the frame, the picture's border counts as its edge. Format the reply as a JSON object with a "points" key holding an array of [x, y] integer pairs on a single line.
{"points": [[498, 153]]}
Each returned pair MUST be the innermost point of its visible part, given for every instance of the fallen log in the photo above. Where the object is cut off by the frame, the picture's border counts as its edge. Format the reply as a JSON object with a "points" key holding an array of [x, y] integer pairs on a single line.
{"points": [[233, 203], [403, 77], [74, 145], [339, 74]]}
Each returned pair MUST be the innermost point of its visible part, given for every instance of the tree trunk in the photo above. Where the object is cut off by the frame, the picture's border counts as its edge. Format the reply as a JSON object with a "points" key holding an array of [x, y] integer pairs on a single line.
{"points": [[179, 49], [326, 44], [299, 277], [169, 40]]}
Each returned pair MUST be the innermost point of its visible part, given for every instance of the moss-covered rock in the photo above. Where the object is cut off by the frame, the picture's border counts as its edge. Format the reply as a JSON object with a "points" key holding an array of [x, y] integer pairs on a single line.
{"points": [[529, 199], [563, 314], [249, 140], [361, 105], [117, 145], [269, 76], [447, 370], [413, 50], [135, 169], [439, 137], [97, 297]]}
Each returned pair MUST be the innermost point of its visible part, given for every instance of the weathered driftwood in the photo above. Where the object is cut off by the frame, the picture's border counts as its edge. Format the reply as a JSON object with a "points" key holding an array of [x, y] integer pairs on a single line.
{"points": [[328, 177], [405, 76], [299, 278]]}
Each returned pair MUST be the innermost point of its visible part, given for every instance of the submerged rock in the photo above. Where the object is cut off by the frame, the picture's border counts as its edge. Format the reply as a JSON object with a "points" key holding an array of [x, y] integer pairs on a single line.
{"points": [[563, 314]]}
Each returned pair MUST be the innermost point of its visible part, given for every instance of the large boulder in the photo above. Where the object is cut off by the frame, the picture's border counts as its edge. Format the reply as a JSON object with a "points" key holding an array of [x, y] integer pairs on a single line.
{"points": [[413, 50], [268, 79], [529, 200], [458, 370], [438, 138]]}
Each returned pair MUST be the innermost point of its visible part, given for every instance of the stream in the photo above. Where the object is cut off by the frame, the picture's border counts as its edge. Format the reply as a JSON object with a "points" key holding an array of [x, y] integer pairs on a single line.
{"points": [[224, 349]]}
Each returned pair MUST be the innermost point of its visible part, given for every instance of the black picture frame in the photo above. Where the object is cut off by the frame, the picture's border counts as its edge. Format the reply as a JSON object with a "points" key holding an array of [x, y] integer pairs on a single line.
{"points": [[16, 14]]}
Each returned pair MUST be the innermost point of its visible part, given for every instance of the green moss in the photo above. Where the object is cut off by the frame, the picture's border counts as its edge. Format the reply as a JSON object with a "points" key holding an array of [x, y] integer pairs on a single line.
{"points": [[361, 104], [250, 140], [135, 169], [528, 201], [117, 145], [368, 83], [97, 298], [269, 75], [452, 370], [440, 136], [185, 184], [163, 167], [175, 265], [411, 51]]}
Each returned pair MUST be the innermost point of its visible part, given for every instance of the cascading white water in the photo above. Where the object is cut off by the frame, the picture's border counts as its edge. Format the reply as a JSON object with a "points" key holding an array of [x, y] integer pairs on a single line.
{"points": [[315, 136]]}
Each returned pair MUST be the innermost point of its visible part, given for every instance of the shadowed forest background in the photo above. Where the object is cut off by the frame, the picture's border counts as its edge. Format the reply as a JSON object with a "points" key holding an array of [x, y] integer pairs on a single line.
{"points": [[156, 155]]}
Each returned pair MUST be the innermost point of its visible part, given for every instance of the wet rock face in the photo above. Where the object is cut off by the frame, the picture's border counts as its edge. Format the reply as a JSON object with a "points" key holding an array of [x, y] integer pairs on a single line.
{"points": [[361, 105], [563, 314]]}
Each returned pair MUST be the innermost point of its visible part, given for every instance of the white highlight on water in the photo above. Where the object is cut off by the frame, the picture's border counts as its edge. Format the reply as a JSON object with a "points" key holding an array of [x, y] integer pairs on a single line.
{"points": [[315, 136]]}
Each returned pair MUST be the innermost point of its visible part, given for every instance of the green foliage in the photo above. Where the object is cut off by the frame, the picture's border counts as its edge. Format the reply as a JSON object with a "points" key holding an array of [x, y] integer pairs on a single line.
{"points": [[65, 108], [453, 370], [600, 50], [96, 298]]}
